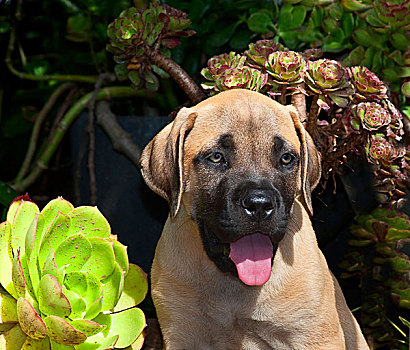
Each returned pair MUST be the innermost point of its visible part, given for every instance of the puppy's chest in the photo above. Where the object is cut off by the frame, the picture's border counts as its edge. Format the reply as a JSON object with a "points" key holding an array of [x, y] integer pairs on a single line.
{"points": [[239, 322]]}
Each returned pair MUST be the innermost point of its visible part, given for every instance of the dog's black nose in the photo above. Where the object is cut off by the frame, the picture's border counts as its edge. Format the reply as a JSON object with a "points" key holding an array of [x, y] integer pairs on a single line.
{"points": [[258, 203]]}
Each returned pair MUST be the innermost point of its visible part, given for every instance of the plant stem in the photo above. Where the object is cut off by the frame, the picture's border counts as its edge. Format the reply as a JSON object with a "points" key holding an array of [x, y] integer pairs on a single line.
{"points": [[72, 113], [298, 100], [312, 117], [282, 96], [193, 91], [63, 109], [120, 139], [91, 135], [59, 77], [342, 150], [36, 129]]}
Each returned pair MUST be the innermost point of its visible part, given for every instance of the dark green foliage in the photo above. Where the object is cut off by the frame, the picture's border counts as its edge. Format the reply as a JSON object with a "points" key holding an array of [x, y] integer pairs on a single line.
{"points": [[222, 26], [371, 34]]}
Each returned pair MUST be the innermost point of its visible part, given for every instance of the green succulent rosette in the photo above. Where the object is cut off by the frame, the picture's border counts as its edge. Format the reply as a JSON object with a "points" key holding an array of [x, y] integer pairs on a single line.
{"points": [[218, 64], [367, 84], [259, 52], [372, 115], [66, 282], [390, 163], [285, 67], [135, 32], [380, 150], [329, 80], [394, 13], [237, 78]]}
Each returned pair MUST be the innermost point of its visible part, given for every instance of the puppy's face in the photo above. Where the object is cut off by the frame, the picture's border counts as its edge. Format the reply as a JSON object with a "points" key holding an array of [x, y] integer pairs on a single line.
{"points": [[239, 160]]}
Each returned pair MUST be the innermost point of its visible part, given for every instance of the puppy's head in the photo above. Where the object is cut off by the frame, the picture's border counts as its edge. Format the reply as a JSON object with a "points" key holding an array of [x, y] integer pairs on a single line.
{"points": [[239, 159]]}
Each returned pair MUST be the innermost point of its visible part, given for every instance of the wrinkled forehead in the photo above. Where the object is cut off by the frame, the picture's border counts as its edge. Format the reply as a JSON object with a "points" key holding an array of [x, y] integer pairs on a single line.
{"points": [[251, 119]]}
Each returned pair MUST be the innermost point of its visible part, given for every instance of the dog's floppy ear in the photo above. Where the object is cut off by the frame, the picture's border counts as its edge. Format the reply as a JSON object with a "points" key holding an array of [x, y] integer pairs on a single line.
{"points": [[310, 161], [162, 160]]}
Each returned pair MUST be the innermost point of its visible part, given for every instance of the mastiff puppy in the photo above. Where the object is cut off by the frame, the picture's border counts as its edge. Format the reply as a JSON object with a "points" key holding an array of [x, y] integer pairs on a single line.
{"points": [[237, 265]]}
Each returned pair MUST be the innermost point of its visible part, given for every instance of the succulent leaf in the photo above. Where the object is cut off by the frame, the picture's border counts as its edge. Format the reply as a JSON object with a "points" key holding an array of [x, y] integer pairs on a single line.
{"points": [[98, 342], [62, 332], [19, 280], [113, 287], [29, 288], [135, 288], [8, 309], [6, 257], [20, 221], [11, 212], [134, 77], [34, 235], [77, 303], [73, 252], [85, 284], [102, 260], [121, 257], [30, 321], [119, 323], [6, 326], [50, 268], [34, 344], [89, 220], [14, 338], [35, 232], [88, 327], [151, 81], [57, 232], [360, 243], [94, 309], [394, 234], [121, 71], [51, 299], [52, 208], [138, 343]]}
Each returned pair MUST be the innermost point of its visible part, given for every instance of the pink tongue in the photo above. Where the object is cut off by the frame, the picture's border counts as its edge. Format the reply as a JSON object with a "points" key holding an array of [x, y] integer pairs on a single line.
{"points": [[252, 256]]}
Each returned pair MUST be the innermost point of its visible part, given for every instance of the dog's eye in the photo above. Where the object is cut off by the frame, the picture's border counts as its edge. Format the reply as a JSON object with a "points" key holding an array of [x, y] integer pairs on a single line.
{"points": [[216, 158], [287, 158]]}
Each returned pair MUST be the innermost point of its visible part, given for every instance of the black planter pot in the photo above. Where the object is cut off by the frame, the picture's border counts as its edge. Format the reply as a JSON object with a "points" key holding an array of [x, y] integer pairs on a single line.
{"points": [[135, 213]]}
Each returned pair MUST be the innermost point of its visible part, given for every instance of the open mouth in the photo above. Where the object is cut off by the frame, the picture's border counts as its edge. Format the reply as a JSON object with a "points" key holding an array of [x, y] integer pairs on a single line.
{"points": [[249, 258], [252, 256]]}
